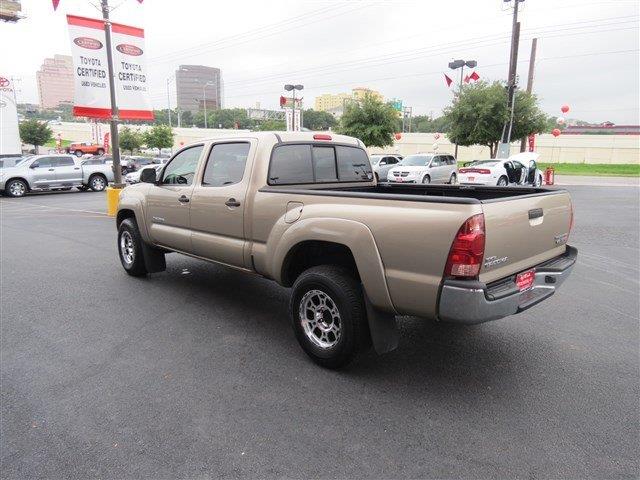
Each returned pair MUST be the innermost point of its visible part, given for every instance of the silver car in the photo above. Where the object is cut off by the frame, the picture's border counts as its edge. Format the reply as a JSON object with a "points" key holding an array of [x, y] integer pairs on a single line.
{"points": [[382, 163], [53, 172], [425, 168]]}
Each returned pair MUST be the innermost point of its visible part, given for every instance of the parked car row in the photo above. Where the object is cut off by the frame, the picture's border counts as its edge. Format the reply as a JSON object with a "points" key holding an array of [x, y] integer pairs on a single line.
{"points": [[425, 168]]}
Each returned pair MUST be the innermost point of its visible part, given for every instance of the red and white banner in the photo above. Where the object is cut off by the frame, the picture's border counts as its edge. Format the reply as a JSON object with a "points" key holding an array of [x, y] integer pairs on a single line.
{"points": [[91, 78], [105, 142]]}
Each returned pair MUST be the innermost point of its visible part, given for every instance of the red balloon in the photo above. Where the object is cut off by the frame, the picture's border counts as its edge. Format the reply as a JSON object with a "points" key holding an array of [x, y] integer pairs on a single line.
{"points": [[181, 143], [398, 136], [565, 108], [556, 132]]}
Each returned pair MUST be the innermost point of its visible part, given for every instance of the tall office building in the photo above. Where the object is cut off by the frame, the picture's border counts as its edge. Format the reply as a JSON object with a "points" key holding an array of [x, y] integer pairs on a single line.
{"points": [[55, 81], [196, 84]]}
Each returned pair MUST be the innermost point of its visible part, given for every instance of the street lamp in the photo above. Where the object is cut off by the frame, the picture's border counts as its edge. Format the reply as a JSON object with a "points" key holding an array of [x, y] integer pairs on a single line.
{"points": [[454, 66], [204, 98], [292, 88]]}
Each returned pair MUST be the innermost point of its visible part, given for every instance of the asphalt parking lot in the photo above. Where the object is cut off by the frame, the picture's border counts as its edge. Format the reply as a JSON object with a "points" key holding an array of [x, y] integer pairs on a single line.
{"points": [[195, 372]]}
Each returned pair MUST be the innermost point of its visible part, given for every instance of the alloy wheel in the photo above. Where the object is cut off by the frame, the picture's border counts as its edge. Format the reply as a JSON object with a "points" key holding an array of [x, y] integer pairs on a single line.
{"points": [[320, 319], [127, 248]]}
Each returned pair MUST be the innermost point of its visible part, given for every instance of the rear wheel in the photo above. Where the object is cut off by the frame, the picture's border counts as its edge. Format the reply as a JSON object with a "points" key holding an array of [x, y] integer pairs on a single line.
{"points": [[130, 248], [97, 182], [78, 153], [100, 151], [503, 182], [426, 179], [16, 188], [328, 315]]}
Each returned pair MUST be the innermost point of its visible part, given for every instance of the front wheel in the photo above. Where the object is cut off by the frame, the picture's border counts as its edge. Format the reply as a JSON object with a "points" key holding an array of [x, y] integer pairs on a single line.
{"points": [[100, 151], [453, 179], [426, 179], [130, 248], [328, 316], [78, 153], [538, 182], [16, 188], [503, 182]]}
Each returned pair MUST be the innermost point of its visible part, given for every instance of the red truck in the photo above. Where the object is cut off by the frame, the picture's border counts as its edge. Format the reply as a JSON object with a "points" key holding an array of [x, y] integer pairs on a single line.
{"points": [[80, 148]]}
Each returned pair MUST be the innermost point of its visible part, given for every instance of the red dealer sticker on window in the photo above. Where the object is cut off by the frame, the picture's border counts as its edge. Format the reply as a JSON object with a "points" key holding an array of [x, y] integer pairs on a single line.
{"points": [[524, 280]]}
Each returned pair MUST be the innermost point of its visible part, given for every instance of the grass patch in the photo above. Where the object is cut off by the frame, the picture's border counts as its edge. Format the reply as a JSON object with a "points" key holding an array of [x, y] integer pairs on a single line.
{"points": [[52, 143], [595, 169]]}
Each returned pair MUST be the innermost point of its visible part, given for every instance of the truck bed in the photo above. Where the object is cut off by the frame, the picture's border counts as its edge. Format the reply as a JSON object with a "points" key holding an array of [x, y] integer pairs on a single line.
{"points": [[469, 194]]}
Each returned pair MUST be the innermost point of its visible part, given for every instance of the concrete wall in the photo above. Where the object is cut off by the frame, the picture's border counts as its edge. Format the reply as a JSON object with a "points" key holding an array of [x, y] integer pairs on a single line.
{"points": [[567, 148]]}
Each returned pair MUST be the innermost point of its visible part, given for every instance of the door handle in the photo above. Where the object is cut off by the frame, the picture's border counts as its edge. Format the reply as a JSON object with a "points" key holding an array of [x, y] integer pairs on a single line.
{"points": [[232, 202], [51, 169], [183, 199], [76, 168]]}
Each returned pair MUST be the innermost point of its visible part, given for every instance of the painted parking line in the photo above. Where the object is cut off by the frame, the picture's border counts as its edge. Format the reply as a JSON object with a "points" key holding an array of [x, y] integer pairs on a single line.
{"points": [[35, 205]]}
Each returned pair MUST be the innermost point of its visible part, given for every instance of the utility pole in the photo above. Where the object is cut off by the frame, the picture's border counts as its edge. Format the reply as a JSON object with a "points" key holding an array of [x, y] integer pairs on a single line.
{"points": [[115, 143], [532, 66], [168, 102], [503, 147]]}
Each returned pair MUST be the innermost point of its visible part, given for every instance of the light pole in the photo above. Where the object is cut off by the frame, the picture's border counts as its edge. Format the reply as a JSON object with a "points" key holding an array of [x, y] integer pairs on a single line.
{"points": [[204, 99], [172, 77], [461, 64], [292, 88]]}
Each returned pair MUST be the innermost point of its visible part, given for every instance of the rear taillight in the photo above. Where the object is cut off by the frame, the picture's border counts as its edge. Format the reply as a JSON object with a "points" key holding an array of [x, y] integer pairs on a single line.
{"points": [[481, 171], [467, 249]]}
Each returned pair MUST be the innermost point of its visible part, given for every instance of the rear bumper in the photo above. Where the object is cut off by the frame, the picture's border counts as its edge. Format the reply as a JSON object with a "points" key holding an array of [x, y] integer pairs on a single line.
{"points": [[471, 302]]}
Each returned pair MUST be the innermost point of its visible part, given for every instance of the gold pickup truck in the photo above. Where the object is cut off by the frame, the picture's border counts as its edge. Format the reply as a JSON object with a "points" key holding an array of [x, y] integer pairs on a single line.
{"points": [[304, 210]]}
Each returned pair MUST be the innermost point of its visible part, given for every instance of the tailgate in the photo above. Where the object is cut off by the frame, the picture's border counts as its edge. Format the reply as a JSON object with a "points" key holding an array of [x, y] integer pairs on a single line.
{"points": [[523, 232]]}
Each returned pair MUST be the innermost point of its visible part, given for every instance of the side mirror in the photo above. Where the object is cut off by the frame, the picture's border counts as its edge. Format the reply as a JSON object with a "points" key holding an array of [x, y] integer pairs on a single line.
{"points": [[148, 175], [383, 162], [34, 165]]}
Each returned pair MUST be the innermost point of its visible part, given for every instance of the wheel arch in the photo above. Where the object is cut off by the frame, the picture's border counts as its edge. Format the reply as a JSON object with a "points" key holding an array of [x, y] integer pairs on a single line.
{"points": [[17, 177], [326, 241]]}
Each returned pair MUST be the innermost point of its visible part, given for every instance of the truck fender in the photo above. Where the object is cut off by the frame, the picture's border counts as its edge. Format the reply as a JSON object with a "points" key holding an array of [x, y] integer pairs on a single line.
{"points": [[134, 202]]}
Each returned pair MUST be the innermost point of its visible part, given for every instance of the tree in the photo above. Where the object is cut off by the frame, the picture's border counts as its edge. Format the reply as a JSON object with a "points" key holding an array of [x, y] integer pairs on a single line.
{"points": [[159, 136], [272, 125], [35, 133], [316, 120], [478, 116], [426, 124], [370, 120], [186, 118], [130, 139]]}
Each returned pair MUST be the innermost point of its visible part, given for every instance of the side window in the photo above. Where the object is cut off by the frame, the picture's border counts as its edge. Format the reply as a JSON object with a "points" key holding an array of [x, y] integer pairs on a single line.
{"points": [[291, 164], [353, 164], [436, 162], [225, 165], [182, 168], [392, 160], [44, 162], [324, 164], [62, 162]]}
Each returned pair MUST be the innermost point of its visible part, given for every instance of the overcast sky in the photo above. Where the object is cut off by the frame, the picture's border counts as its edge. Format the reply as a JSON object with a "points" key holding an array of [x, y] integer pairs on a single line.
{"points": [[587, 57]]}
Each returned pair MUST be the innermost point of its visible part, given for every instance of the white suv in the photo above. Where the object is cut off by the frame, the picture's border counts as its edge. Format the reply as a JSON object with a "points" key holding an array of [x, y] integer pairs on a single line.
{"points": [[425, 168]]}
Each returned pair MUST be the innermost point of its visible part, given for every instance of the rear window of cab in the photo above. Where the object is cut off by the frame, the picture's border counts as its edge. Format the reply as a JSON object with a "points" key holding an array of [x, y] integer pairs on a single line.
{"points": [[313, 163]]}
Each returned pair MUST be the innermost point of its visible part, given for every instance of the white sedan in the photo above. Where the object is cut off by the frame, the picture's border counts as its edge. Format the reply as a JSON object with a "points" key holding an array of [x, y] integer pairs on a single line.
{"points": [[519, 169]]}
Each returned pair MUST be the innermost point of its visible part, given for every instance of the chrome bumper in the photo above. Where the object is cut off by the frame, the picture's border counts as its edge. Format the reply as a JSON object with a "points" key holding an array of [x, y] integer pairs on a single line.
{"points": [[470, 302]]}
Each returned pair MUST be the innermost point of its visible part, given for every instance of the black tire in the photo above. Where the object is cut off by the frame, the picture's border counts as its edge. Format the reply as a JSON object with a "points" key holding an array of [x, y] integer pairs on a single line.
{"points": [[503, 181], [83, 188], [426, 179], [345, 294], [97, 182], [16, 188], [452, 179], [78, 153], [377, 178], [66, 189], [539, 183], [100, 151], [131, 257]]}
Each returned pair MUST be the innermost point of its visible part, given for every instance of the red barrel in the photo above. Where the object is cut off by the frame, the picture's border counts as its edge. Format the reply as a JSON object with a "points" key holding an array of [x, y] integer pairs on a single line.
{"points": [[549, 175]]}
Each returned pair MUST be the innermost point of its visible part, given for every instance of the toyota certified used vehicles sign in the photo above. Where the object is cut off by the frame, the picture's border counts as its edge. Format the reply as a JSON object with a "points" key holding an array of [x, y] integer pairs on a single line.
{"points": [[91, 78]]}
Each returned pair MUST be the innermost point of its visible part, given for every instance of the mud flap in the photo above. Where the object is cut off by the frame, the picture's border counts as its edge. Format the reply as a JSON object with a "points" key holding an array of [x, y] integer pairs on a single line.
{"points": [[383, 328], [153, 259]]}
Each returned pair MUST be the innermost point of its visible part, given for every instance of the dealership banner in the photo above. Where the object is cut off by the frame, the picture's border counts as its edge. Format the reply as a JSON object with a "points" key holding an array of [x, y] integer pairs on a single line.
{"points": [[91, 78], [9, 134]]}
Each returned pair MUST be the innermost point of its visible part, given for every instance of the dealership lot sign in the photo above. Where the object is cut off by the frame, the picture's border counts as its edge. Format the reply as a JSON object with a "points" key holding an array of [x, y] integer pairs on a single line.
{"points": [[9, 134], [91, 78]]}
